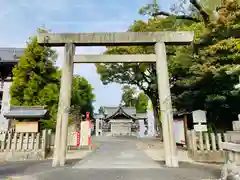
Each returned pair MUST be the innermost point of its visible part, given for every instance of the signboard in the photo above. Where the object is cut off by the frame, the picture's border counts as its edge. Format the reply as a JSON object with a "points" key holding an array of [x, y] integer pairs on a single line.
{"points": [[178, 127], [200, 127], [199, 116], [78, 138], [84, 133], [26, 127]]}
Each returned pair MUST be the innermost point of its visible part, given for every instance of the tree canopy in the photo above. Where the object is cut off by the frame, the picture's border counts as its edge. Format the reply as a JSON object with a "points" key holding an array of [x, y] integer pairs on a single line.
{"points": [[197, 72], [130, 98], [36, 81], [141, 103]]}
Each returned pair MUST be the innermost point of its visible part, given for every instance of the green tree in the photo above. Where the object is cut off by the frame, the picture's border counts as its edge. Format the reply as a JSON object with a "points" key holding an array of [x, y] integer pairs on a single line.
{"points": [[141, 103], [82, 95], [201, 81], [82, 99], [142, 75], [36, 81], [128, 96], [131, 99], [101, 110]]}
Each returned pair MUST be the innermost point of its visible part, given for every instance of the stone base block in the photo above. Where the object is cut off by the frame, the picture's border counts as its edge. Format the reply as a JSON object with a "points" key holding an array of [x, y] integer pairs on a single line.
{"points": [[22, 155]]}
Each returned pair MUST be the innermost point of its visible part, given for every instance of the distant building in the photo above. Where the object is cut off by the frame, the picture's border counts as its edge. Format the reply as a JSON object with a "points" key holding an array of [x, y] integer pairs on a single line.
{"points": [[122, 121], [9, 57]]}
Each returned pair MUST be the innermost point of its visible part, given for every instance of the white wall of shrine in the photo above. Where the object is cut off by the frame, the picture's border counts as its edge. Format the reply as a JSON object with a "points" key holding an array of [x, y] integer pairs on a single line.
{"points": [[121, 127]]}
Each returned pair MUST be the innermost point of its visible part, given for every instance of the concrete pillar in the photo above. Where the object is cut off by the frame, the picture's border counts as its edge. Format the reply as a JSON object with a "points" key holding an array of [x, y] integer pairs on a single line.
{"points": [[165, 105], [63, 107], [97, 127], [68, 73], [141, 128]]}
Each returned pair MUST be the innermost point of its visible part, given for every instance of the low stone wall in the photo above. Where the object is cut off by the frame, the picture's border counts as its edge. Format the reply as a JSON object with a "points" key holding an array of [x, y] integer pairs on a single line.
{"points": [[24, 146], [205, 147], [207, 156], [14, 155]]}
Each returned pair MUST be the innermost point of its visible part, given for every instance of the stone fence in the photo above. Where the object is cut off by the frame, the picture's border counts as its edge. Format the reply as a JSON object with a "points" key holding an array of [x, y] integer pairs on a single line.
{"points": [[21, 146], [206, 147], [34, 146]]}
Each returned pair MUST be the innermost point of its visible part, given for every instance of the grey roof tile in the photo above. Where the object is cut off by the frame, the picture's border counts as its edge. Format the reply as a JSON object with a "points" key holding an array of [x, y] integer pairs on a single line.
{"points": [[25, 112], [11, 54], [129, 110]]}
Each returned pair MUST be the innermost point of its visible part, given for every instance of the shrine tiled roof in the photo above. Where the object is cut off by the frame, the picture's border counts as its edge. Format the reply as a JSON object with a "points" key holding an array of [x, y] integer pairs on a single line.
{"points": [[26, 112], [128, 111], [10, 54]]}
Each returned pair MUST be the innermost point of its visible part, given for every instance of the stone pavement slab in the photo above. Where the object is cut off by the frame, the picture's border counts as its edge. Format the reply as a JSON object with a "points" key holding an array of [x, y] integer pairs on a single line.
{"points": [[118, 153]]}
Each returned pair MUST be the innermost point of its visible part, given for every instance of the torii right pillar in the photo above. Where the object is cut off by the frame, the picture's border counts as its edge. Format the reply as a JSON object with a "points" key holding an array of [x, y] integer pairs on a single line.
{"points": [[170, 150]]}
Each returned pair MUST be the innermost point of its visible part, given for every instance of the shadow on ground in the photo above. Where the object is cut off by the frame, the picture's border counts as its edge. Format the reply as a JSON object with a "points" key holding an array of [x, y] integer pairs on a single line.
{"points": [[26, 167], [209, 169]]}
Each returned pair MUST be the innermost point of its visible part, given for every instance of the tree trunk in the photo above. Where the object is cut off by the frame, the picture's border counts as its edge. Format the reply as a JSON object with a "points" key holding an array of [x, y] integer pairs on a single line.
{"points": [[157, 114]]}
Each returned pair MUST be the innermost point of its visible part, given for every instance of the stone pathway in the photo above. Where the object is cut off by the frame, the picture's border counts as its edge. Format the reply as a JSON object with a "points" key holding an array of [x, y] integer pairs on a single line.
{"points": [[117, 154]]}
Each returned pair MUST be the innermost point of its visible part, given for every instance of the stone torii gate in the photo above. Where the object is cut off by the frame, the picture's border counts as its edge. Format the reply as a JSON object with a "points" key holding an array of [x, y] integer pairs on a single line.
{"points": [[158, 39]]}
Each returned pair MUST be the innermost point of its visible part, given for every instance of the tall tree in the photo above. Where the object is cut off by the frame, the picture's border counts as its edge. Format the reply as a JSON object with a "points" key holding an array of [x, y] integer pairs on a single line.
{"points": [[82, 96], [36, 81], [201, 81], [101, 110], [142, 75], [82, 99], [141, 103], [129, 96]]}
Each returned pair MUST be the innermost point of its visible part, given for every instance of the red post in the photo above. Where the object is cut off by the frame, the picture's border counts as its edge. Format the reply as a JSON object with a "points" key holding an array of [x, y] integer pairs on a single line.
{"points": [[78, 138]]}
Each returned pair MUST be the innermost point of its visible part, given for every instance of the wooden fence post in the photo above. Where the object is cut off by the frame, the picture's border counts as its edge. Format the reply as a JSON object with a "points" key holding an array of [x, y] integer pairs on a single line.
{"points": [[194, 143], [44, 140], [219, 140], [26, 141], [37, 145], [207, 141], [189, 144], [213, 141], [3, 140], [9, 140], [49, 138], [201, 141], [20, 143], [15, 141]]}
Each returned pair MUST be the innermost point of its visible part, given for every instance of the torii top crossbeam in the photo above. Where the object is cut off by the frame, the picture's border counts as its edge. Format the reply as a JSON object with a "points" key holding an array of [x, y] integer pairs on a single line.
{"points": [[115, 38]]}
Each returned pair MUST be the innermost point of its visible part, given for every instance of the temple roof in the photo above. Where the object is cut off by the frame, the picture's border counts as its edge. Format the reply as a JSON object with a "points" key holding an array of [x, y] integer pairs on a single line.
{"points": [[26, 112], [126, 111], [11, 54], [9, 57]]}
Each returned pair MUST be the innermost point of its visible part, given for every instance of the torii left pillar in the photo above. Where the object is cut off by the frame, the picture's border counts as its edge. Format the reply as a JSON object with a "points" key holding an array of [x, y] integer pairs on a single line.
{"points": [[64, 107]]}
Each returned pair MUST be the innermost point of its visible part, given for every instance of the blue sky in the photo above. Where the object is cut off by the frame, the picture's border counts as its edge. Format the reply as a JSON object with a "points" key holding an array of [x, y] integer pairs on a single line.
{"points": [[19, 19]]}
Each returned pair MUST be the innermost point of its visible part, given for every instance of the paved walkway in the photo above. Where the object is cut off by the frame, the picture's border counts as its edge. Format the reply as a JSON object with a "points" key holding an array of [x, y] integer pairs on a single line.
{"points": [[118, 158], [118, 153]]}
